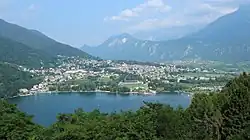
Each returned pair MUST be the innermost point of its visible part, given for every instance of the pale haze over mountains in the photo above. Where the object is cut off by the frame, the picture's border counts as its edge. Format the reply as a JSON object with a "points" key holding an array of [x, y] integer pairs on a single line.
{"points": [[226, 39], [151, 30], [77, 23], [167, 33]]}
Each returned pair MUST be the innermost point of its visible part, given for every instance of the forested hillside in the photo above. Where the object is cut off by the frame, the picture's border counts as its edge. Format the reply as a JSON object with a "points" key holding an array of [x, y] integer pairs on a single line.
{"points": [[222, 116], [37, 40], [18, 53], [12, 79]]}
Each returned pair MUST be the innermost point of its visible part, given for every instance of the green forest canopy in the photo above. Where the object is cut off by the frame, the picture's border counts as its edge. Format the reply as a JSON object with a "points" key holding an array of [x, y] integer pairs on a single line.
{"points": [[12, 79], [222, 116]]}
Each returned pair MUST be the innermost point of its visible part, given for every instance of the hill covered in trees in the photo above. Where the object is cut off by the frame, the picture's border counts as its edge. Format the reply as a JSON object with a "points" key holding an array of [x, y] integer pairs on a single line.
{"points": [[18, 53], [12, 78], [222, 116], [39, 41], [32, 49]]}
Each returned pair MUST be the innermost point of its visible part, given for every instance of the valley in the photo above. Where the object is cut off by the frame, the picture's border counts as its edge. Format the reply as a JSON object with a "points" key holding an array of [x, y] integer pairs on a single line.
{"points": [[202, 61], [74, 74], [149, 70]]}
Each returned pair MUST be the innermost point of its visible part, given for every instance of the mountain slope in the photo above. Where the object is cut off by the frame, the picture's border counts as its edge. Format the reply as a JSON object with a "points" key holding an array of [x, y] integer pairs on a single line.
{"points": [[18, 53], [226, 39], [124, 47], [164, 34], [12, 79], [37, 40]]}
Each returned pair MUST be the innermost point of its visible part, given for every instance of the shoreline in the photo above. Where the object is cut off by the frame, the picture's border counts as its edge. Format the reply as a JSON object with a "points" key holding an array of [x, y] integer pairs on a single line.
{"points": [[124, 93]]}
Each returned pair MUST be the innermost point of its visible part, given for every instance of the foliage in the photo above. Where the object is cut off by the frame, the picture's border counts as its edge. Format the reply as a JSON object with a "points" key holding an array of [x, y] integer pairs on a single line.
{"points": [[12, 79], [217, 116], [14, 52], [91, 83], [159, 84], [39, 41], [16, 125]]}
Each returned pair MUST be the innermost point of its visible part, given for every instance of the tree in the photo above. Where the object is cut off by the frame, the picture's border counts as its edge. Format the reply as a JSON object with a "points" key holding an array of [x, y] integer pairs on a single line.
{"points": [[217, 116], [12, 78], [235, 111], [123, 89], [16, 125]]}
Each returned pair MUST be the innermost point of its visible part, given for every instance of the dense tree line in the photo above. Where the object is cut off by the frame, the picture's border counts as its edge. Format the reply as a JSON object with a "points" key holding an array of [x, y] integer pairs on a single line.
{"points": [[159, 86], [18, 53], [91, 83], [12, 79], [222, 116]]}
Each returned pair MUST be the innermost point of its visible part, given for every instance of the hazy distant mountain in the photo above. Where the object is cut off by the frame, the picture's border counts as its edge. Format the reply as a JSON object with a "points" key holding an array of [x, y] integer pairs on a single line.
{"points": [[37, 40], [226, 39], [164, 34], [124, 47]]}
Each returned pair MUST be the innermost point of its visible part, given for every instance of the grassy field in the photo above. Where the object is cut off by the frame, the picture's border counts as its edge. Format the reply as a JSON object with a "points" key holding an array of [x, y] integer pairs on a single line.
{"points": [[202, 74], [188, 85], [105, 79], [133, 85]]}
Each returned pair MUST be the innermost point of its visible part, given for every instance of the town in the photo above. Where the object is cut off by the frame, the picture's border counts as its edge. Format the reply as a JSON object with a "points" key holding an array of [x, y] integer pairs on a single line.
{"points": [[75, 74]]}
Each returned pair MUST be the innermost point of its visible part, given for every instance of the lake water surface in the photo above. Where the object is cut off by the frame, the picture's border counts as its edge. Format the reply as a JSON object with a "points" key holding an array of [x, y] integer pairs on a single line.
{"points": [[45, 107]]}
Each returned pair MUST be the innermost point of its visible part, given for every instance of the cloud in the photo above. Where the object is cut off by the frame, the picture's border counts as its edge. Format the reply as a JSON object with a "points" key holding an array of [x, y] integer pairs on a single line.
{"points": [[150, 6], [159, 14], [124, 15], [154, 23], [207, 8], [188, 13]]}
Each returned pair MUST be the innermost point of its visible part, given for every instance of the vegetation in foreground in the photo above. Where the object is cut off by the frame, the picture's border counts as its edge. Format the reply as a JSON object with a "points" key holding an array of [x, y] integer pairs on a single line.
{"points": [[223, 116]]}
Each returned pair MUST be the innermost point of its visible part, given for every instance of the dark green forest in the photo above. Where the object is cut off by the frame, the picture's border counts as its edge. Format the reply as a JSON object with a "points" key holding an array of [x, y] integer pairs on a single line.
{"points": [[218, 116], [12, 79], [18, 53], [37, 41]]}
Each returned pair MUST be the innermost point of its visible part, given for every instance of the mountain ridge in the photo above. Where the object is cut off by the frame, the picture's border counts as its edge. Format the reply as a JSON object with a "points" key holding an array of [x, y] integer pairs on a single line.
{"points": [[38, 40], [20, 54], [226, 39]]}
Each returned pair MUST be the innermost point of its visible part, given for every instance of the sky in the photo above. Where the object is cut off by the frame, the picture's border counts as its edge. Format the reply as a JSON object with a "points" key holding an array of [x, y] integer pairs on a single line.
{"points": [[79, 22]]}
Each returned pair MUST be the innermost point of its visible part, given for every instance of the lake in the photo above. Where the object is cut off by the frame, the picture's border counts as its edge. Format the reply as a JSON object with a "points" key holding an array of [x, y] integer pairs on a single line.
{"points": [[45, 107]]}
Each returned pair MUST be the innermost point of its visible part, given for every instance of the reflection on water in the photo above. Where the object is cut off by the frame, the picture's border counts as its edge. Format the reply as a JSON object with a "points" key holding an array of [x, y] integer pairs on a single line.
{"points": [[45, 107]]}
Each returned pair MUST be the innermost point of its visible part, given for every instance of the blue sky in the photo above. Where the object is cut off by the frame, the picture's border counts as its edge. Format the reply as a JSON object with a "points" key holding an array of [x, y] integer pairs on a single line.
{"points": [[78, 22]]}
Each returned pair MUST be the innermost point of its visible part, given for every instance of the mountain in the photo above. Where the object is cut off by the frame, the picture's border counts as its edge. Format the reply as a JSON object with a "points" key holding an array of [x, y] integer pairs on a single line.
{"points": [[164, 34], [12, 78], [124, 47], [226, 39], [37, 40], [18, 53]]}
